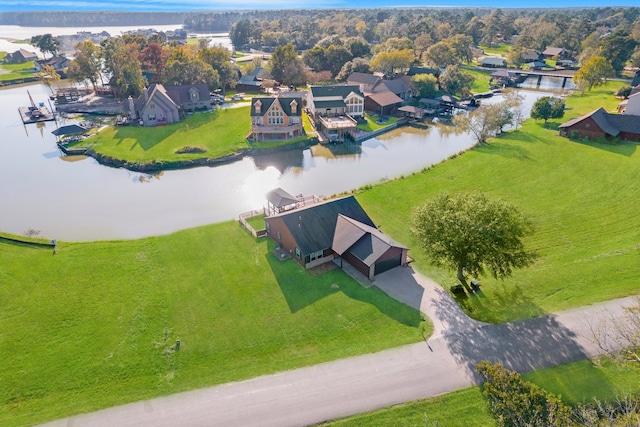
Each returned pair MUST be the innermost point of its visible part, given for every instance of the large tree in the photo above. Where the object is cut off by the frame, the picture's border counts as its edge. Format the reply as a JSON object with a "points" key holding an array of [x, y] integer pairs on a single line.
{"points": [[286, 66], [153, 58], [46, 43], [426, 84], [455, 81], [548, 107], [471, 233], [485, 122], [87, 62], [594, 72], [388, 62]]}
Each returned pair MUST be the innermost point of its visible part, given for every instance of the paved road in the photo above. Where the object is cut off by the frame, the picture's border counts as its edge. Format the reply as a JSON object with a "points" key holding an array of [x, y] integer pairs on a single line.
{"points": [[443, 363]]}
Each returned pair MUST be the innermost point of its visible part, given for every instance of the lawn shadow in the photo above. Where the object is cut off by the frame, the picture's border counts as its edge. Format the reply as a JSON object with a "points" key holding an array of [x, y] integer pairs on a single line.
{"points": [[301, 289], [626, 149]]}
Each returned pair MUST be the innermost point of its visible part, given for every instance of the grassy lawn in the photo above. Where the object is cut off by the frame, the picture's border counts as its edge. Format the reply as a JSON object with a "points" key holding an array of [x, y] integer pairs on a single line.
{"points": [[481, 80], [217, 134], [498, 49], [581, 196], [577, 383], [371, 124], [96, 325], [15, 71]]}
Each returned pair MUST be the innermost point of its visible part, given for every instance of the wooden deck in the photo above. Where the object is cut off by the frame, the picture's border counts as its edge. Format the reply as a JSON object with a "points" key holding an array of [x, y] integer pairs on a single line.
{"points": [[27, 116]]}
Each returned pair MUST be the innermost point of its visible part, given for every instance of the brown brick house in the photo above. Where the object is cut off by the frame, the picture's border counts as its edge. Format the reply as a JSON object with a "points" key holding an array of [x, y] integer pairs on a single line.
{"points": [[338, 228], [600, 124], [276, 118]]}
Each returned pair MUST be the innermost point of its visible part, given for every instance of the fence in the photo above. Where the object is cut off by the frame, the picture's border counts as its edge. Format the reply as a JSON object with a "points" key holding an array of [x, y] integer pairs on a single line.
{"points": [[242, 219]]}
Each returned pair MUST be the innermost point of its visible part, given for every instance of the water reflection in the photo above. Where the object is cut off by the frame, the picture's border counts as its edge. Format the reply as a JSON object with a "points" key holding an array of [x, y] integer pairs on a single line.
{"points": [[82, 200], [548, 83]]}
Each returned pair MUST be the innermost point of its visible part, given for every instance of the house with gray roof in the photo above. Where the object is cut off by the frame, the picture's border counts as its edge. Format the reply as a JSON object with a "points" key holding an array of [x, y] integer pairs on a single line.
{"points": [[251, 82], [154, 107], [600, 124], [276, 118], [493, 62], [335, 110], [20, 56], [338, 229], [555, 52]]}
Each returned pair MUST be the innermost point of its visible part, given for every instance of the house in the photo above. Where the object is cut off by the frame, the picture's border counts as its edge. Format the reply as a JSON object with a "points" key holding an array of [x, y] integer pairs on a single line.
{"points": [[276, 118], [59, 63], [493, 62], [154, 107], [555, 52], [400, 86], [632, 104], [531, 55], [382, 96], [503, 78], [599, 123], [636, 79], [336, 229], [190, 97], [382, 103], [251, 82], [365, 81], [20, 56], [336, 109]]}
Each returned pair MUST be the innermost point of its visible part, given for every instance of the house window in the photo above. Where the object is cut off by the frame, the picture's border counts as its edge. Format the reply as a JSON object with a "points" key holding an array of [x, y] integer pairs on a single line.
{"points": [[298, 254], [257, 106], [152, 106], [315, 255], [278, 235], [354, 105], [152, 116], [276, 117], [294, 106]]}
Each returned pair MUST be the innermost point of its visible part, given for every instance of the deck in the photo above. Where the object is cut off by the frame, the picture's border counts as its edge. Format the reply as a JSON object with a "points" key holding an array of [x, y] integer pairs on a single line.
{"points": [[42, 115]]}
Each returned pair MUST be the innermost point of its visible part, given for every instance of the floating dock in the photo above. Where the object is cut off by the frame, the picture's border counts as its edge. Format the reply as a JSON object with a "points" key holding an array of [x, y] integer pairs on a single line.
{"points": [[39, 114]]}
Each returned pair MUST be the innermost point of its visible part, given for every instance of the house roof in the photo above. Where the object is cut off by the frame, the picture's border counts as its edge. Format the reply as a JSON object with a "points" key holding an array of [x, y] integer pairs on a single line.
{"points": [[180, 93], [429, 101], [154, 92], [530, 55], [396, 86], [385, 98], [536, 64], [611, 124], [367, 243], [422, 70], [285, 104], [492, 60], [68, 130], [251, 79], [280, 198], [25, 54], [363, 78], [335, 90], [553, 51], [636, 79], [313, 227], [411, 109], [329, 104], [503, 74]]}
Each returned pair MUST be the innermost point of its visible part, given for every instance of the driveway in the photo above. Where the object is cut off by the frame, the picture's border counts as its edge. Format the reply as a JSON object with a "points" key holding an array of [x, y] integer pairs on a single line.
{"points": [[443, 363]]}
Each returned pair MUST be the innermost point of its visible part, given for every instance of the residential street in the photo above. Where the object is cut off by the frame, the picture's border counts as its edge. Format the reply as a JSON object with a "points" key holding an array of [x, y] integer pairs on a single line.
{"points": [[444, 363]]}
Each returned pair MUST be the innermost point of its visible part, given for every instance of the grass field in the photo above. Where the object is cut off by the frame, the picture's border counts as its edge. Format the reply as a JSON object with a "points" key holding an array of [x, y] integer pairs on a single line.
{"points": [[481, 80], [576, 383], [581, 196], [371, 124], [498, 49], [96, 325], [219, 133], [15, 71]]}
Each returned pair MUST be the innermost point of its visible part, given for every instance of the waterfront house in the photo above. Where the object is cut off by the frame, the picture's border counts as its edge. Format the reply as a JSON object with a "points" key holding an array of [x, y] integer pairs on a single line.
{"points": [[251, 82], [190, 97], [154, 107], [493, 62], [20, 56], [276, 118], [335, 109], [555, 52], [59, 63], [600, 124]]}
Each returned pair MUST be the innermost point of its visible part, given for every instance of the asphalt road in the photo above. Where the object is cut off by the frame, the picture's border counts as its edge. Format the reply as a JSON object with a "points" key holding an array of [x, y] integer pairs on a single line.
{"points": [[443, 363]]}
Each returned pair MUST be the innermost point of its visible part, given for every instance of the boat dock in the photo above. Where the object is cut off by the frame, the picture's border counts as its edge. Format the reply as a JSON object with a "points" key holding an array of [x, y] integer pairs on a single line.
{"points": [[39, 114]]}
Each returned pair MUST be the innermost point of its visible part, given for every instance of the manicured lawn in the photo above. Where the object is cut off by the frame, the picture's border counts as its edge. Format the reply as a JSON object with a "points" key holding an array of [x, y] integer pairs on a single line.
{"points": [[481, 80], [96, 325], [577, 383], [15, 71], [217, 134], [498, 49], [581, 196], [371, 124]]}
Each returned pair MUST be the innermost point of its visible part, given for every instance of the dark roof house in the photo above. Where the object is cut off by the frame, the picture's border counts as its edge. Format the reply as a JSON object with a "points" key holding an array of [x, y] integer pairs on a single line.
{"points": [[20, 56], [493, 62], [338, 228], [600, 124], [552, 52]]}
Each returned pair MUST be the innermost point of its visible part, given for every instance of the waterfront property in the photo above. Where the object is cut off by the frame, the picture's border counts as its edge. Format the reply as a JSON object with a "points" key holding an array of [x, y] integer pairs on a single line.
{"points": [[276, 118], [160, 105], [600, 124], [336, 109], [20, 56], [339, 230]]}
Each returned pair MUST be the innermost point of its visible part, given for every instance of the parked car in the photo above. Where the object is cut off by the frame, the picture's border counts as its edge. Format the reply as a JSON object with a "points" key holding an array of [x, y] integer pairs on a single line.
{"points": [[237, 97]]}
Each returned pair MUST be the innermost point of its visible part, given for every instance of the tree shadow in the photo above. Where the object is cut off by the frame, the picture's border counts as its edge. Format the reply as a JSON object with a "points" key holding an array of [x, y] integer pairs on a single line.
{"points": [[301, 289]]}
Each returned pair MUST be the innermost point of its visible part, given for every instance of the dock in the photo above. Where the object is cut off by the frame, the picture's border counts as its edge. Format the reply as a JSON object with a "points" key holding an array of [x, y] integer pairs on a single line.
{"points": [[34, 115]]}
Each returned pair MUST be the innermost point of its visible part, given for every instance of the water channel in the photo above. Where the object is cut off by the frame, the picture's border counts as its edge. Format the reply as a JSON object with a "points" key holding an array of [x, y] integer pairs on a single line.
{"points": [[76, 199]]}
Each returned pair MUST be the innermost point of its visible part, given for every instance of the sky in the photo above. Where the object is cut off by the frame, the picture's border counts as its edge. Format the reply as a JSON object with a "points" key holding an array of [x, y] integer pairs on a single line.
{"points": [[219, 5]]}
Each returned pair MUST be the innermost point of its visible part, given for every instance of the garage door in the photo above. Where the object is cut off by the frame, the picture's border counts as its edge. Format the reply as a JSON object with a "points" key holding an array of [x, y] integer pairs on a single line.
{"points": [[387, 264]]}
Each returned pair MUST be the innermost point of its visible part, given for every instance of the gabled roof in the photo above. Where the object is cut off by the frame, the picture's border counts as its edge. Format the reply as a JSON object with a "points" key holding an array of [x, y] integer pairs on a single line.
{"points": [[24, 54], [313, 227], [285, 103], [492, 60], [253, 78], [385, 98], [342, 91], [636, 79], [180, 93], [396, 86], [530, 55], [363, 78], [553, 51], [367, 243], [280, 198], [68, 130], [611, 124], [422, 70], [155, 93]]}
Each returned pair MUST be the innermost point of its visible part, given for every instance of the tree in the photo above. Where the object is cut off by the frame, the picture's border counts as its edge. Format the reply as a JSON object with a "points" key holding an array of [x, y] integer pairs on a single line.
{"points": [[486, 121], [46, 43], [426, 84], [548, 107], [594, 72], [87, 64], [513, 101], [617, 48], [471, 233], [441, 55], [121, 61], [286, 66], [48, 76], [620, 336], [455, 81], [154, 58], [388, 62], [357, 65], [515, 402]]}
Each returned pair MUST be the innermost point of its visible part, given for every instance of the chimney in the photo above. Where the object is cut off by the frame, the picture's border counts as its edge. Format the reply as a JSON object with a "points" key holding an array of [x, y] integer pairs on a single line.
{"points": [[145, 93], [132, 109]]}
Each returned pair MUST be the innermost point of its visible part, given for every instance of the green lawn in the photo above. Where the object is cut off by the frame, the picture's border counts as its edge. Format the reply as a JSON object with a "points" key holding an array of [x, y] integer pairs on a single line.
{"points": [[217, 134], [371, 124], [581, 196], [481, 80], [498, 49], [96, 325], [15, 71], [576, 383]]}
